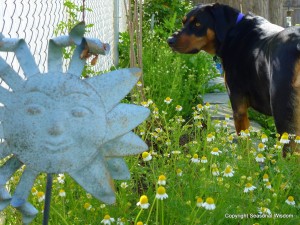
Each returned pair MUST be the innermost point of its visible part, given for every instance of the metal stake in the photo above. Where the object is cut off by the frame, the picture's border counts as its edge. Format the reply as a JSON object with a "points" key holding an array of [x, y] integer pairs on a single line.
{"points": [[47, 199]]}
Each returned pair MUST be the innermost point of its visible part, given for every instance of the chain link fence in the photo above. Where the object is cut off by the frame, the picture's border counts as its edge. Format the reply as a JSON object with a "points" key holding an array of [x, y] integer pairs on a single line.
{"points": [[36, 20]]}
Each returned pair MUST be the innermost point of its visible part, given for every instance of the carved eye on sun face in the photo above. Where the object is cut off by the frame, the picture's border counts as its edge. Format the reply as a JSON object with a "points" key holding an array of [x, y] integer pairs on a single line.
{"points": [[80, 111], [34, 109]]}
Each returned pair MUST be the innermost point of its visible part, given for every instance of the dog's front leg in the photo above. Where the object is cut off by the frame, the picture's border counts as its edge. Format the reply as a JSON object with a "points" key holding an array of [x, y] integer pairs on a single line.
{"points": [[240, 113]]}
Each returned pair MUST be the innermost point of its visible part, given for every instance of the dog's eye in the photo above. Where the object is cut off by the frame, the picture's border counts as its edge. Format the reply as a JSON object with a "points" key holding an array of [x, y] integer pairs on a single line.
{"points": [[183, 20], [197, 24]]}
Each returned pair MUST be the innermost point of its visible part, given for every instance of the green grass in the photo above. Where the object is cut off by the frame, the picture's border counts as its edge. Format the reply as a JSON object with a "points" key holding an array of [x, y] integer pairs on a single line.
{"points": [[172, 144]]}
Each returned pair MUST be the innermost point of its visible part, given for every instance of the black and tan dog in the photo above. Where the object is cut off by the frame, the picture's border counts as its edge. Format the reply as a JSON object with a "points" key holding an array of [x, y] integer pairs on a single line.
{"points": [[261, 61]]}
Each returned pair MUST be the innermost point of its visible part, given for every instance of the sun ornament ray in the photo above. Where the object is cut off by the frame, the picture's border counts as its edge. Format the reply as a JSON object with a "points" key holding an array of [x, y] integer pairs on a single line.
{"points": [[57, 122]]}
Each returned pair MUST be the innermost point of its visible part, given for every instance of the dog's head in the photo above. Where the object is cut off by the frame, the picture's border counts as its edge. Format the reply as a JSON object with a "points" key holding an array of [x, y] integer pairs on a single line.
{"points": [[204, 28]]}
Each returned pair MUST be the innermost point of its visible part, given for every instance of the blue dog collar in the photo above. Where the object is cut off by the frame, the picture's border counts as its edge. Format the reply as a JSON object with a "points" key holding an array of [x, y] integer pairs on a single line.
{"points": [[239, 18]]}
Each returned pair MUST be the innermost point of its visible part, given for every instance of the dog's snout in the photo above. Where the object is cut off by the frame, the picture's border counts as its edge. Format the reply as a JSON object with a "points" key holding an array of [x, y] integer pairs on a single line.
{"points": [[171, 41]]}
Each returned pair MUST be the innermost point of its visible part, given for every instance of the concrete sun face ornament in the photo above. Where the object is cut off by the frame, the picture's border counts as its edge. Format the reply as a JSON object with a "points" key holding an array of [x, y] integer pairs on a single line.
{"points": [[57, 122]]}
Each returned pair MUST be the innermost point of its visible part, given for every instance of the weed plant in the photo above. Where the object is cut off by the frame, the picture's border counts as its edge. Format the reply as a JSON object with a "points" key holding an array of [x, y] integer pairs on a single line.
{"points": [[196, 171]]}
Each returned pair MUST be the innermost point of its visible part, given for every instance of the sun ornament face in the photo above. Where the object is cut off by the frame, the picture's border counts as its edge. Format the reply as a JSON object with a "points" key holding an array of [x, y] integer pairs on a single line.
{"points": [[57, 122]]}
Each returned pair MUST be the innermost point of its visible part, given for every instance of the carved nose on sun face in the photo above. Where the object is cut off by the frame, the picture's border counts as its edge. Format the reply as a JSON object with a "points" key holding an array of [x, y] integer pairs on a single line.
{"points": [[56, 128]]}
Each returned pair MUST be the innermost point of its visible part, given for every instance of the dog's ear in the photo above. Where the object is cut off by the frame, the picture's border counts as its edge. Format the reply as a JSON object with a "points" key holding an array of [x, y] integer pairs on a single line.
{"points": [[225, 18]]}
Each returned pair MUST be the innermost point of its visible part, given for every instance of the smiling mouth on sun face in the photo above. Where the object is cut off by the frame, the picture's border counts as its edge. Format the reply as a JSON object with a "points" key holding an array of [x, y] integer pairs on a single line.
{"points": [[57, 122]]}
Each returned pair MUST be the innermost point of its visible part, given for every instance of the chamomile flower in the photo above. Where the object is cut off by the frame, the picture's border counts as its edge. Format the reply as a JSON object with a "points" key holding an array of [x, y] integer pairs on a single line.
{"points": [[249, 187], [245, 133], [203, 159], [227, 117], [230, 138], [143, 203], [62, 193], [107, 220], [161, 193], [228, 172], [199, 202], [210, 137], [264, 138], [209, 204], [297, 139], [284, 138], [178, 108], [176, 152], [139, 223], [207, 105], [162, 180], [168, 100], [290, 201], [139, 84], [146, 156], [34, 191], [179, 172], [158, 130], [261, 147], [61, 178], [195, 158], [200, 107], [41, 196], [124, 185], [216, 151], [215, 171], [260, 158], [87, 206], [264, 210], [268, 185], [121, 221], [145, 104], [265, 177], [199, 125]]}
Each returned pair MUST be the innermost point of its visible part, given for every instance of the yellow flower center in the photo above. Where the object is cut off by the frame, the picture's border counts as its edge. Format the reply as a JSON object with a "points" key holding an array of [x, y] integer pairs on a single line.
{"points": [[162, 177], [106, 217], [210, 201], [199, 106], [195, 156], [144, 199], [145, 155], [215, 150], [248, 185], [161, 190], [139, 223], [291, 198], [261, 145], [199, 200], [228, 169], [209, 136], [266, 176], [87, 205], [204, 158], [40, 194], [168, 99], [260, 155], [178, 171], [285, 136]]}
